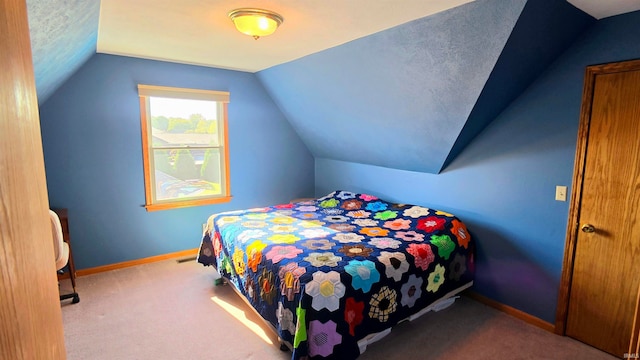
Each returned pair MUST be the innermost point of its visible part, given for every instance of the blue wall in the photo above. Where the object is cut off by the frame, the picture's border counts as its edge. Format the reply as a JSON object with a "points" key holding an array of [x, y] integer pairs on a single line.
{"points": [[400, 97], [543, 31], [503, 184], [93, 157]]}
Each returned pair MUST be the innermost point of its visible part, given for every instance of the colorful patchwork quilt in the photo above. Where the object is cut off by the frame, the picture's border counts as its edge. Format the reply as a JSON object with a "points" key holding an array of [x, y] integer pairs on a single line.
{"points": [[329, 272]]}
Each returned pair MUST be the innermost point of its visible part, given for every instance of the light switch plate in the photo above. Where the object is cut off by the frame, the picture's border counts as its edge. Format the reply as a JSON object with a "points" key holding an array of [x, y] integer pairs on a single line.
{"points": [[561, 193]]}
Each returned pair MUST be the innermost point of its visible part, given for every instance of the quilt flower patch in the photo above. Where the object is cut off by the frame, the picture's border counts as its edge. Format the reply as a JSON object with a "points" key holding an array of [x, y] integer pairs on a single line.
{"points": [[290, 280], [351, 204], [283, 238], [436, 278], [248, 235], [353, 314], [363, 274], [345, 195], [422, 255], [444, 244], [346, 228], [416, 212], [355, 250], [278, 253], [383, 304], [283, 229], [458, 267], [460, 232], [409, 235], [324, 338], [386, 215], [411, 291], [326, 290], [318, 244], [329, 203], [395, 264], [322, 259], [336, 219], [385, 243], [431, 224], [285, 319], [398, 224], [238, 262], [377, 206], [360, 214], [266, 282], [374, 231], [348, 238]]}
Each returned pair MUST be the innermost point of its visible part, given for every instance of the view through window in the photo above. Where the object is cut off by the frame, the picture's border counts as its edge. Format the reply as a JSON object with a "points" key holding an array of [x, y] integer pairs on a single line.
{"points": [[184, 146]]}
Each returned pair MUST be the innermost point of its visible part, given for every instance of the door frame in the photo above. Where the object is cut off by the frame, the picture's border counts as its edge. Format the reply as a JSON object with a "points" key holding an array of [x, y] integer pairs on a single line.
{"points": [[578, 179]]}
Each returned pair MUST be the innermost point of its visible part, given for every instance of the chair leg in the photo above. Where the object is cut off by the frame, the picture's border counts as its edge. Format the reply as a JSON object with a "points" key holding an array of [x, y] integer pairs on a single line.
{"points": [[74, 296], [72, 270], [72, 276]]}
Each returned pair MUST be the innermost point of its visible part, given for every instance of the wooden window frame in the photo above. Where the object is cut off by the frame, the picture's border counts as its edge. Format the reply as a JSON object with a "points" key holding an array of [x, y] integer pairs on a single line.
{"points": [[147, 91]]}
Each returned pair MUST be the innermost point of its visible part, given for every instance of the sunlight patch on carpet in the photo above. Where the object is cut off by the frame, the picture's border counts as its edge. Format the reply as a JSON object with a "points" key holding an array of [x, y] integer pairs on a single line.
{"points": [[240, 316]]}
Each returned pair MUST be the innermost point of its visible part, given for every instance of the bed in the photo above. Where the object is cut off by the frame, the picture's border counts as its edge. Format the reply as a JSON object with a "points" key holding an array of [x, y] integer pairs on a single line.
{"points": [[331, 275]]}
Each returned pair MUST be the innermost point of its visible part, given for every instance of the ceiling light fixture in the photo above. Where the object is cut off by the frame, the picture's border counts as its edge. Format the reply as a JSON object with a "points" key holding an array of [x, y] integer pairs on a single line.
{"points": [[255, 22]]}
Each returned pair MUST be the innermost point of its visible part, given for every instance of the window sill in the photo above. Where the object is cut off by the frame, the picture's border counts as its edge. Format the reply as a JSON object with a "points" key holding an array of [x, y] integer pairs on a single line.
{"points": [[187, 203]]}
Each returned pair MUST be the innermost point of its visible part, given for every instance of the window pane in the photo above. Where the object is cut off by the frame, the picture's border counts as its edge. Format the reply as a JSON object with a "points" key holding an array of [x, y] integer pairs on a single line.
{"points": [[183, 122], [184, 146], [187, 173]]}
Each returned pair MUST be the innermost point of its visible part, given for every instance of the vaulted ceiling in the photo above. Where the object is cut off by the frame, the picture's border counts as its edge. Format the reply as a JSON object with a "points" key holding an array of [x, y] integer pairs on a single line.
{"points": [[415, 82], [414, 96]]}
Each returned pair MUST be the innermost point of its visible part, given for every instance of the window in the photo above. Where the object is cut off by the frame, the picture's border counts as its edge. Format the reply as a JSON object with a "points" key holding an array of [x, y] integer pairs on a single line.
{"points": [[184, 146]]}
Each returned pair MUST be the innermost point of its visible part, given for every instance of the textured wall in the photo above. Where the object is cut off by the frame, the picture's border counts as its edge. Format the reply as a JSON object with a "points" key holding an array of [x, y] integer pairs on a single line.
{"points": [[543, 31], [63, 37], [398, 98], [503, 184], [93, 157]]}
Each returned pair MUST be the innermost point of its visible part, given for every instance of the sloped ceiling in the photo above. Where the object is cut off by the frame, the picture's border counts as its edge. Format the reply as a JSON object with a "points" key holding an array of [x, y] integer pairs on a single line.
{"points": [[398, 98], [402, 98], [64, 33], [544, 30], [409, 97], [63, 37]]}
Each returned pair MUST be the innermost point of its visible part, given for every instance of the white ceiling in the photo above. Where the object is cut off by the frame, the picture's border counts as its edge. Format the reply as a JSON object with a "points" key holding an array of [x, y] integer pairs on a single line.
{"points": [[604, 8], [199, 31]]}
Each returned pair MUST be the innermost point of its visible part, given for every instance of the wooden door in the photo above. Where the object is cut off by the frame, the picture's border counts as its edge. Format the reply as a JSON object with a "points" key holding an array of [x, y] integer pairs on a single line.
{"points": [[634, 343], [606, 227], [30, 315]]}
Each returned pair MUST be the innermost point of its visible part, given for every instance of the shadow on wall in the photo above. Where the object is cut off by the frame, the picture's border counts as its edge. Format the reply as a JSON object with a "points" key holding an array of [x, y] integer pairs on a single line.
{"points": [[527, 128], [506, 272]]}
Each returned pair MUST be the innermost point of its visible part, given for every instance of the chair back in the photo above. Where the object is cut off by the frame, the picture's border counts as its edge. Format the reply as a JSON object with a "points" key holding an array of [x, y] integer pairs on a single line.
{"points": [[61, 255]]}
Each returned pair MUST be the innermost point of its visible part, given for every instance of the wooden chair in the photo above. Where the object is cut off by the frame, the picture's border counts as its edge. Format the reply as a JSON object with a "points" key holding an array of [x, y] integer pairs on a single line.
{"points": [[62, 252]]}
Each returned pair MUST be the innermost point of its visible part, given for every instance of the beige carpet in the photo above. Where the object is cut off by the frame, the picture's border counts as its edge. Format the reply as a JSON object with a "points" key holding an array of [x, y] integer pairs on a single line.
{"points": [[171, 310]]}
